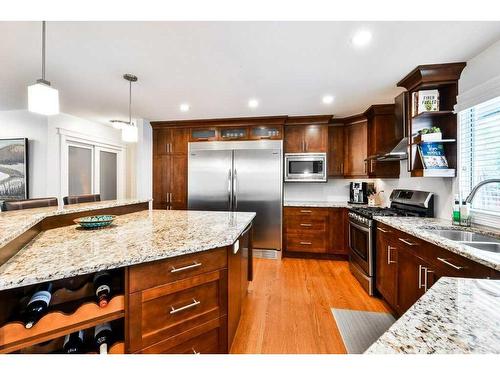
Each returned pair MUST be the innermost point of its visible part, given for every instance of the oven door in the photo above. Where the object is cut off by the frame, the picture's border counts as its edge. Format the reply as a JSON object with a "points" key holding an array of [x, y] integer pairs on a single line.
{"points": [[306, 167], [360, 245]]}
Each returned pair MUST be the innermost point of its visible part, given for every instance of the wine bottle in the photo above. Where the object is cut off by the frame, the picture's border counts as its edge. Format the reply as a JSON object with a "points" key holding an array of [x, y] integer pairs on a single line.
{"points": [[102, 288], [38, 305], [102, 337], [73, 343]]}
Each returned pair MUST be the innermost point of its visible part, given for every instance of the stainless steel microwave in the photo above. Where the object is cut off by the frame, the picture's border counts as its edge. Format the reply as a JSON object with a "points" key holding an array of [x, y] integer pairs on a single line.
{"points": [[307, 167]]}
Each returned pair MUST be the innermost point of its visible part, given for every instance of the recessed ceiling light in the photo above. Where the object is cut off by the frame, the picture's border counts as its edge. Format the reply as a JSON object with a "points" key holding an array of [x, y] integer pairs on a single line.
{"points": [[184, 107], [362, 38], [253, 103], [328, 99]]}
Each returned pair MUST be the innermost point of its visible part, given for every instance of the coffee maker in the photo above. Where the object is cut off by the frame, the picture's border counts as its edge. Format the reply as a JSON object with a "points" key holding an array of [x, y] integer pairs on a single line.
{"points": [[359, 191]]}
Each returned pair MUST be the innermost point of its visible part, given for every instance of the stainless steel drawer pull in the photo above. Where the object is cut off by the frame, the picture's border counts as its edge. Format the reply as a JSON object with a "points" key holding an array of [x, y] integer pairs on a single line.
{"points": [[305, 243], [408, 242], [305, 225], [191, 305], [194, 351], [306, 211], [449, 264], [185, 268], [383, 230]]}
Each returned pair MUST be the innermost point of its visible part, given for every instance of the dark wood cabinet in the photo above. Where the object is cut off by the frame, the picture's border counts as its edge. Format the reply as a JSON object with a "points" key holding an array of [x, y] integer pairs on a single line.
{"points": [[170, 146], [386, 266], [313, 230], [306, 134], [356, 152], [336, 151], [406, 267]]}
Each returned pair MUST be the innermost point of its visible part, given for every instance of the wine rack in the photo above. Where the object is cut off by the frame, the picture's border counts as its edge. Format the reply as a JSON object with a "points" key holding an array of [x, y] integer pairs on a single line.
{"points": [[70, 310]]}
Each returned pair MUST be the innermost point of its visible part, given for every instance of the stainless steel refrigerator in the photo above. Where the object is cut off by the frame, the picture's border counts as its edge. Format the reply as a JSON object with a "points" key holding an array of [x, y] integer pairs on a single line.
{"points": [[243, 176]]}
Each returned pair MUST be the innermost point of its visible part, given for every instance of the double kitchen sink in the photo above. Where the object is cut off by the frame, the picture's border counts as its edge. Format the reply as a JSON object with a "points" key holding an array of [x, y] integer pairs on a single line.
{"points": [[472, 239]]}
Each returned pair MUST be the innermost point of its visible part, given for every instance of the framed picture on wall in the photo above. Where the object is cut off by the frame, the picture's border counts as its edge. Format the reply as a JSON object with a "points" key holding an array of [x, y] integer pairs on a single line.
{"points": [[13, 169]]}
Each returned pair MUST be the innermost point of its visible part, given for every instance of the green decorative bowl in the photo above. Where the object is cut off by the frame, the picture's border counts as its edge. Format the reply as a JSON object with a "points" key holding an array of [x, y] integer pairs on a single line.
{"points": [[95, 222]]}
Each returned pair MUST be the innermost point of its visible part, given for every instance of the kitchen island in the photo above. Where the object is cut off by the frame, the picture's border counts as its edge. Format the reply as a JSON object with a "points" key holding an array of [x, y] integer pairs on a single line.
{"points": [[159, 260], [456, 316]]}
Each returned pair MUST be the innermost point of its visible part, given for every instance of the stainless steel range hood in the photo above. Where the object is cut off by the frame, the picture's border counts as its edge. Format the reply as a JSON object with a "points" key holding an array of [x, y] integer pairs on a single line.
{"points": [[397, 153], [400, 151]]}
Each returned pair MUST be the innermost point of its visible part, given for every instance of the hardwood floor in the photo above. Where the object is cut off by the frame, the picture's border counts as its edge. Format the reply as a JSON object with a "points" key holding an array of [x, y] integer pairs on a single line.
{"points": [[287, 310]]}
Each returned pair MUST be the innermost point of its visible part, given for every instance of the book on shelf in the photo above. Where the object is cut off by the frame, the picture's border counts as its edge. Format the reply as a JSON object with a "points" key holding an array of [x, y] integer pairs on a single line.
{"points": [[425, 101], [432, 155]]}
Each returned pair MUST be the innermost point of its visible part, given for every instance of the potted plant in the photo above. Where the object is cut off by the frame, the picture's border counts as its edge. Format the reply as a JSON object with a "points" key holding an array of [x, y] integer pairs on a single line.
{"points": [[429, 135]]}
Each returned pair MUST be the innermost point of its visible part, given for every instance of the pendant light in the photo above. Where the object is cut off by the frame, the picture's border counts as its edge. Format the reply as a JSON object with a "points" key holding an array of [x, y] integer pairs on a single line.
{"points": [[42, 98], [129, 129]]}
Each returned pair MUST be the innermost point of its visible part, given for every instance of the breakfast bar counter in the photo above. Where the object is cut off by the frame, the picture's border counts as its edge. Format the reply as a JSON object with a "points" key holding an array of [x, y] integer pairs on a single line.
{"points": [[133, 238]]}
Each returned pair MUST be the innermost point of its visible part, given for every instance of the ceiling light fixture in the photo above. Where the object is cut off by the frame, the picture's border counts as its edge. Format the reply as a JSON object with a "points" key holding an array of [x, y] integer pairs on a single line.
{"points": [[328, 99], [42, 98], [362, 38], [184, 107], [129, 129], [253, 103]]}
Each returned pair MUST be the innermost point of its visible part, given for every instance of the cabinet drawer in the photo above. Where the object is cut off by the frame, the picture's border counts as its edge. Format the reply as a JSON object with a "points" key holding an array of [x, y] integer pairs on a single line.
{"points": [[454, 265], [165, 311], [207, 338], [303, 223], [148, 275], [307, 242], [290, 212]]}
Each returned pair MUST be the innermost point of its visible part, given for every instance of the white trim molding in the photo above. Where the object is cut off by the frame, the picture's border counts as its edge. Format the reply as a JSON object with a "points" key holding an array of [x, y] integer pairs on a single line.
{"points": [[478, 94]]}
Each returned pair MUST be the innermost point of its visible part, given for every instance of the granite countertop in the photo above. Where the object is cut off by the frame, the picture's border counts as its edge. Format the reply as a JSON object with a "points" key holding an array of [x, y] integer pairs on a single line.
{"points": [[15, 223], [419, 227], [340, 204], [132, 239], [455, 316]]}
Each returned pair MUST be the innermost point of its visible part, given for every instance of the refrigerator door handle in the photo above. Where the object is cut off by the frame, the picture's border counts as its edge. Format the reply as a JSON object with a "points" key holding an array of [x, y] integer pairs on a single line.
{"points": [[229, 189], [235, 191]]}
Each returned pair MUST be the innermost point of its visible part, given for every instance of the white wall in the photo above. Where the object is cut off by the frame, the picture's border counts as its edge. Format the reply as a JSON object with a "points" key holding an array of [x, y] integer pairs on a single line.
{"points": [[24, 124], [44, 147]]}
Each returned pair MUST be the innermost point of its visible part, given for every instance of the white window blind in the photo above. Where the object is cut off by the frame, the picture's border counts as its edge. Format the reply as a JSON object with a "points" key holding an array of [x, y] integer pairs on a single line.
{"points": [[480, 154]]}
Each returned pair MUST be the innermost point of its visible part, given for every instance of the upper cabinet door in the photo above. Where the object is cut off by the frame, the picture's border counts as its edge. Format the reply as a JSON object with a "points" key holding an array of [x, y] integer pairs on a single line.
{"points": [[179, 141], [294, 138], [203, 134], [316, 138], [356, 152], [336, 151], [161, 141]]}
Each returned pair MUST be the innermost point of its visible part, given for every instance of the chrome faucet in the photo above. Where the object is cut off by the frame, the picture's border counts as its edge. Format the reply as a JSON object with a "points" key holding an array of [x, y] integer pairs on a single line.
{"points": [[474, 190]]}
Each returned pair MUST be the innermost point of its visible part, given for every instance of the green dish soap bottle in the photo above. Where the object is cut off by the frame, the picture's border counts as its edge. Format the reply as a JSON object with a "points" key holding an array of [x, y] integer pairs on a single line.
{"points": [[456, 211]]}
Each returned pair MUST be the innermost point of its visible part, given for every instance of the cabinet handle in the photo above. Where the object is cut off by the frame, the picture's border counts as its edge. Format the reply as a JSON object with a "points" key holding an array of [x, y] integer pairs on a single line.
{"points": [[371, 165], [185, 268], [171, 197], [426, 272], [383, 230], [389, 261], [191, 305], [265, 137], [420, 268], [194, 351], [166, 148], [305, 225], [305, 243], [408, 242], [366, 166], [306, 211], [449, 264], [342, 168]]}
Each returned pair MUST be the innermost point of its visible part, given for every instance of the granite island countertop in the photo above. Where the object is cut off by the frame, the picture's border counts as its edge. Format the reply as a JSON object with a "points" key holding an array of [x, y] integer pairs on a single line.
{"points": [[15, 223], [132, 239], [419, 227], [456, 316]]}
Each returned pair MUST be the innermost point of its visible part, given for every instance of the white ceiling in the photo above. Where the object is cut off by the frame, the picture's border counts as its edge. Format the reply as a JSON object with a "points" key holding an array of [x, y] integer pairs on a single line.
{"points": [[217, 66]]}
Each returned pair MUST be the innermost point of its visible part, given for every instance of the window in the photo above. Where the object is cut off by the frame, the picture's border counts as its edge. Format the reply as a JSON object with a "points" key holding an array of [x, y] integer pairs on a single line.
{"points": [[480, 155]]}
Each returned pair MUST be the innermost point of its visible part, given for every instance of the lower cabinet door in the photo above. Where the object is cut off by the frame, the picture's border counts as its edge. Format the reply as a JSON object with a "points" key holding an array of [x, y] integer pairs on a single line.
{"points": [[411, 280], [208, 338], [387, 269]]}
